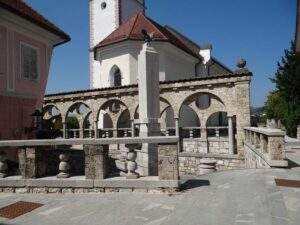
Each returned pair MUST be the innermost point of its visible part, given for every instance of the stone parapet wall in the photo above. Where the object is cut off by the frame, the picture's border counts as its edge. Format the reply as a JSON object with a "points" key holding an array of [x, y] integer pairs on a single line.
{"points": [[189, 164], [253, 160], [35, 162], [264, 148], [212, 145]]}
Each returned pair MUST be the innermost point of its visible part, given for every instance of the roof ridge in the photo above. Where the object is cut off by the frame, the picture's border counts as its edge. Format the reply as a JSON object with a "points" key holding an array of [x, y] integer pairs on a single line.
{"points": [[155, 24], [133, 25]]}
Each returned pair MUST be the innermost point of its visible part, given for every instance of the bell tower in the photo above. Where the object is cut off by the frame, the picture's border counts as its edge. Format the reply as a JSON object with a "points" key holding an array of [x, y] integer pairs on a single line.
{"points": [[105, 17]]}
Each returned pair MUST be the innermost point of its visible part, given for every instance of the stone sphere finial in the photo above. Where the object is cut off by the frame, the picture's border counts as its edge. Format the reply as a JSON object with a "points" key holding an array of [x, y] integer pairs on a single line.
{"points": [[241, 63]]}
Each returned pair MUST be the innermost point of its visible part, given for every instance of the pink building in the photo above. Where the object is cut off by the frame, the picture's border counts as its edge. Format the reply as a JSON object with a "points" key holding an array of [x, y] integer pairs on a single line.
{"points": [[26, 42]]}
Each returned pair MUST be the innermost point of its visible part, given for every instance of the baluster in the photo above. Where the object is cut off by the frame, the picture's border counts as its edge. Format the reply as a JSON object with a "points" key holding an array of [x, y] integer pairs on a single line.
{"points": [[107, 133], [64, 166], [90, 133], [74, 133], [167, 132], [125, 133], [217, 132], [3, 164], [191, 133]]}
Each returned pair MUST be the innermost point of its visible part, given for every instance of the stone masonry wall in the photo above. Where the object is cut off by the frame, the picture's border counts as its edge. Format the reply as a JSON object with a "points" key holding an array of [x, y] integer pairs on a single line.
{"points": [[196, 145], [190, 165], [252, 160]]}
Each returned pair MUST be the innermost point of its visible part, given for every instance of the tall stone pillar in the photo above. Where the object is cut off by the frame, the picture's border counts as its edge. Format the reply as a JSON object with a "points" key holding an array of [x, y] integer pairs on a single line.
{"points": [[96, 134], [230, 135], [65, 135], [148, 76], [132, 129], [177, 127]]}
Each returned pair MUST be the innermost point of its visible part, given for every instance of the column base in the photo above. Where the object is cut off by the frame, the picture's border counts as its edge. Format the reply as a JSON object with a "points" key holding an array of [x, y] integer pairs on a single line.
{"points": [[63, 175]]}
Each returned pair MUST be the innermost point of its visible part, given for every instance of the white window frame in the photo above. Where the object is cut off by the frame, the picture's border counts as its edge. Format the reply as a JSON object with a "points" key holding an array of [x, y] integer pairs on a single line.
{"points": [[37, 80]]}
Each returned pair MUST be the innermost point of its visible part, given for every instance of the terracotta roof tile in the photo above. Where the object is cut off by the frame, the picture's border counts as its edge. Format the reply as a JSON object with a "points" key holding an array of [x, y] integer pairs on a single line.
{"points": [[131, 30], [22, 9]]}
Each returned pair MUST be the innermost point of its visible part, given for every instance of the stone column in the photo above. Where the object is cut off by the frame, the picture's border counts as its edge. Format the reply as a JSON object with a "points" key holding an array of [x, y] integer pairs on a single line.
{"points": [[65, 136], [230, 135], [203, 138], [132, 129], [177, 127], [96, 133], [149, 108]]}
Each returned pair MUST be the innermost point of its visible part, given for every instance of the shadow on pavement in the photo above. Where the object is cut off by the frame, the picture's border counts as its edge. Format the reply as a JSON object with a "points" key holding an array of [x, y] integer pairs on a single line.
{"points": [[292, 164], [190, 184]]}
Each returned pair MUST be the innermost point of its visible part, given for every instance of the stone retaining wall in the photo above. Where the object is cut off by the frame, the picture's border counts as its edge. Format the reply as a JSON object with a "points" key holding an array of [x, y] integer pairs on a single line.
{"points": [[189, 164], [253, 160]]}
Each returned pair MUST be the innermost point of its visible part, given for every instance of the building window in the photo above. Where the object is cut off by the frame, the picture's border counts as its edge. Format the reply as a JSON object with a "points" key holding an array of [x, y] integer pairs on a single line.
{"points": [[117, 78], [29, 62]]}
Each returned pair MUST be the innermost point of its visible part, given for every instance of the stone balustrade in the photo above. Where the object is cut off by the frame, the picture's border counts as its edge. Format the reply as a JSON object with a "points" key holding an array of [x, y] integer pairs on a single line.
{"points": [[36, 161], [264, 148]]}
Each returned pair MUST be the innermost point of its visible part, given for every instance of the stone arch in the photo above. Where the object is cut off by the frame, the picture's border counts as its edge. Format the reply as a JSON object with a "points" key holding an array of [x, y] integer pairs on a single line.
{"points": [[114, 108], [115, 76], [192, 98], [48, 111], [164, 105]]}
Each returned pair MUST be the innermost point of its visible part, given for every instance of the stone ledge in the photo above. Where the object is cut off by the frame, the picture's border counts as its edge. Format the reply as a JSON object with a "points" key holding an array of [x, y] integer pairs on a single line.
{"points": [[46, 190], [266, 158], [137, 183], [89, 141], [59, 183], [12, 182], [80, 182], [208, 155], [266, 131]]}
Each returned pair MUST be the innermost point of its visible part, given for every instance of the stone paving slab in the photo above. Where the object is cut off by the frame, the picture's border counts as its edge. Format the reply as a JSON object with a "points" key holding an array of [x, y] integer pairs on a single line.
{"points": [[229, 197]]}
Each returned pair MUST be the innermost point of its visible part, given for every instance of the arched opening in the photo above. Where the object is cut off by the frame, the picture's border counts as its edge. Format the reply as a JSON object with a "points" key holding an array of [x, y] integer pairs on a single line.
{"points": [[124, 124], [168, 122], [115, 77], [75, 119], [189, 122], [217, 125], [52, 121]]}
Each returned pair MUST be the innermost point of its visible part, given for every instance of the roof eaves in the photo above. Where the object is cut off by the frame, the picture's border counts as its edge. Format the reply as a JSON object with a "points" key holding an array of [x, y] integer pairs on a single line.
{"points": [[56, 30]]}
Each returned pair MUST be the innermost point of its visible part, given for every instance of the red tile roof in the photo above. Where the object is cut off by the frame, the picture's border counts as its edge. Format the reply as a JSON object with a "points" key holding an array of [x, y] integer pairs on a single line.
{"points": [[132, 30], [22, 9]]}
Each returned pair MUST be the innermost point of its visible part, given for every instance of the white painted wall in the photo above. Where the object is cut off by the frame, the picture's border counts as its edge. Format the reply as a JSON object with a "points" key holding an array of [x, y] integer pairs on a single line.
{"points": [[174, 64], [104, 22]]}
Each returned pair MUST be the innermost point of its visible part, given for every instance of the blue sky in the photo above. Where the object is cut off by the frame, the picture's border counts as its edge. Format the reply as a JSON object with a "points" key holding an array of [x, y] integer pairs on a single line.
{"points": [[257, 30]]}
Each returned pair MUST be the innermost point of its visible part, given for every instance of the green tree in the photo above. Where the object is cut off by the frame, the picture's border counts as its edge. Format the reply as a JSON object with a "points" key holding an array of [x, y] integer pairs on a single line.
{"points": [[284, 102]]}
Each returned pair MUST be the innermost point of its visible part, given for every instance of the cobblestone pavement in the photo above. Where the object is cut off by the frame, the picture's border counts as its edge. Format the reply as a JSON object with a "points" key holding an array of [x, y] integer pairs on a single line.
{"points": [[232, 197]]}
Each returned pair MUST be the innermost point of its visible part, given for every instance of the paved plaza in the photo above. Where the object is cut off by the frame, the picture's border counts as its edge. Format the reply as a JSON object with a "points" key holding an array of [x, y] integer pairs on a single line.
{"points": [[231, 197]]}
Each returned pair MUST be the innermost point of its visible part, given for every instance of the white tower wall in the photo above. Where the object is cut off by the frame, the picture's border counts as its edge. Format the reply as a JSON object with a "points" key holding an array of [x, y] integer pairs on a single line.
{"points": [[105, 17]]}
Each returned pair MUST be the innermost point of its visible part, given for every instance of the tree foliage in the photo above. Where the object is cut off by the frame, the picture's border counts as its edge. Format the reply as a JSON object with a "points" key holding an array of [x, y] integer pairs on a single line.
{"points": [[284, 102]]}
